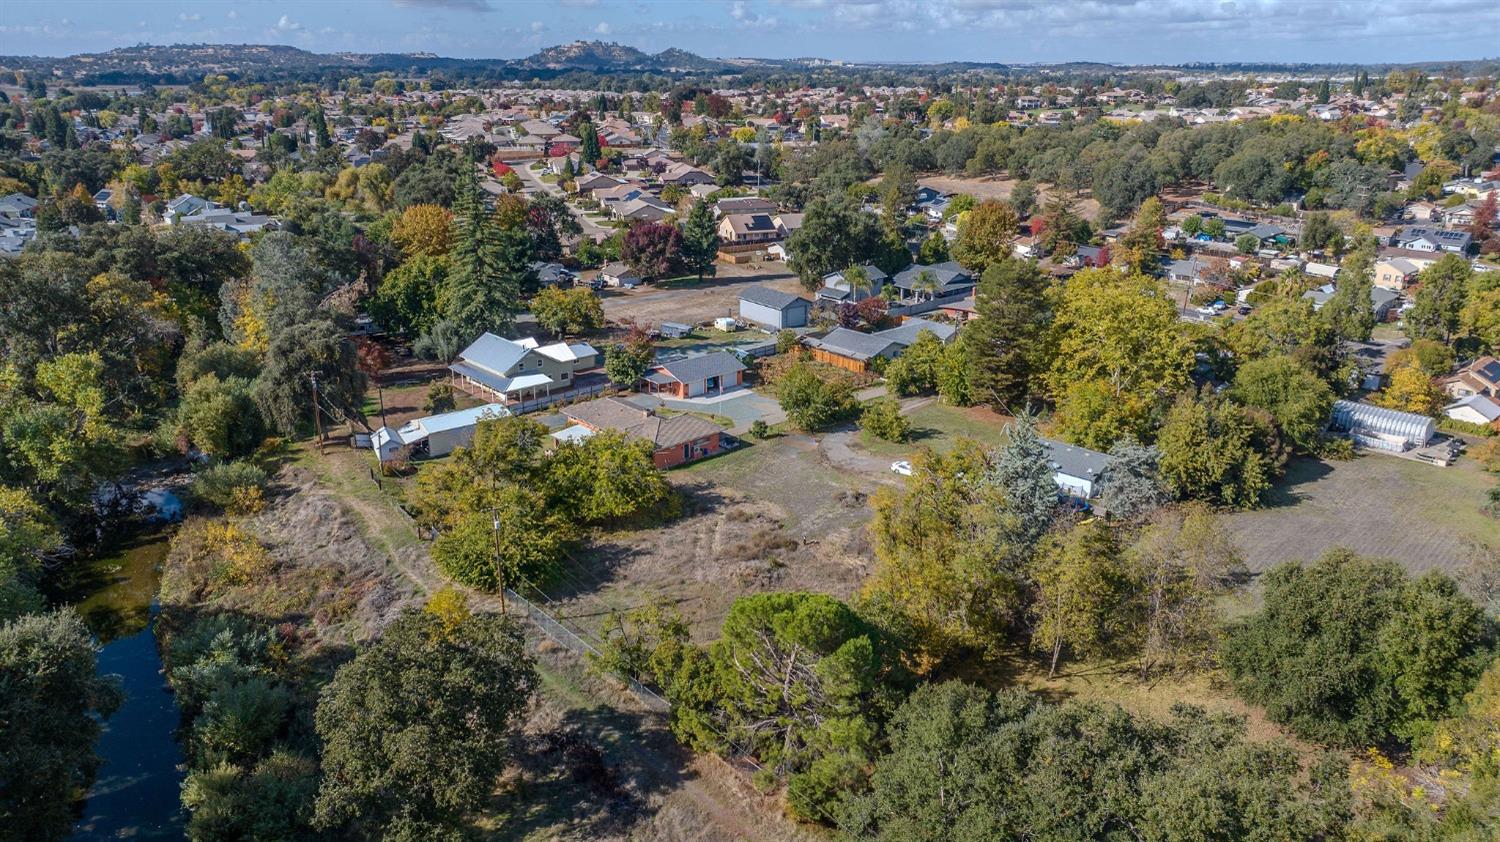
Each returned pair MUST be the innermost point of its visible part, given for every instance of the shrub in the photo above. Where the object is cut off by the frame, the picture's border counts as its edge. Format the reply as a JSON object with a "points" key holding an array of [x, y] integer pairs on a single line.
{"points": [[759, 429], [883, 419], [236, 487], [810, 402]]}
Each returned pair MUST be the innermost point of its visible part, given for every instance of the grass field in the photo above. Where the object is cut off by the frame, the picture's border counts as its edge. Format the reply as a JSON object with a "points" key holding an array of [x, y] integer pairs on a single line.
{"points": [[939, 426], [1423, 516]]}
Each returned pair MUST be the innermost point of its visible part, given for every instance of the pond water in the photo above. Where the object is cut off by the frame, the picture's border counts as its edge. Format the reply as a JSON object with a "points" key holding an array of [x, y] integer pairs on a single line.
{"points": [[137, 794]]}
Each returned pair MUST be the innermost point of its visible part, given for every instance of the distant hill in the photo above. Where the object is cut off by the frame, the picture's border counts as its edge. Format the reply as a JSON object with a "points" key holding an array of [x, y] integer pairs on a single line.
{"points": [[187, 63], [607, 55]]}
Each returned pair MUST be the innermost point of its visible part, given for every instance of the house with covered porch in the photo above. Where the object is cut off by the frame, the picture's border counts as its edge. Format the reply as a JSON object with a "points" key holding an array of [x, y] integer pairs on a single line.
{"points": [[521, 371]]}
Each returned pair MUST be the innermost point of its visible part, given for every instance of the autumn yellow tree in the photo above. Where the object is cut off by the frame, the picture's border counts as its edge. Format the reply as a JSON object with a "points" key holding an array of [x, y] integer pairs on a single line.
{"points": [[424, 230], [1411, 390]]}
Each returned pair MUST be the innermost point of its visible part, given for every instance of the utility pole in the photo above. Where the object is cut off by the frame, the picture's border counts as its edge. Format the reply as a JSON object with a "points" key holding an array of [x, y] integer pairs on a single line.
{"points": [[317, 416], [499, 568], [380, 390]]}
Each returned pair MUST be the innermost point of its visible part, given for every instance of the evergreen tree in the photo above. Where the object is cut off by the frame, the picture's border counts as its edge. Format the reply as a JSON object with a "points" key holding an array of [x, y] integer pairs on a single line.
{"points": [[1131, 485], [700, 240], [1021, 470], [1006, 338], [1350, 311], [589, 146], [490, 266]]}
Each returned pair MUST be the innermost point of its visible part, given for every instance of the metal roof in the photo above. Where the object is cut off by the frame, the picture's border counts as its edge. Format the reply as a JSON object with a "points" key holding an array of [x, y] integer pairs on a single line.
{"points": [[702, 367], [495, 353], [773, 298]]}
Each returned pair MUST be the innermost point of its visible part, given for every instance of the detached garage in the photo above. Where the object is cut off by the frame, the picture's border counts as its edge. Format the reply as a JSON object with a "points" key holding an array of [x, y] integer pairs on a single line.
{"points": [[774, 309]]}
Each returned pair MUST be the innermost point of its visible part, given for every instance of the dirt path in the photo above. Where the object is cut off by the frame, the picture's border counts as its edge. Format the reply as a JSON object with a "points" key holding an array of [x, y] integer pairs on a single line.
{"points": [[682, 796]]}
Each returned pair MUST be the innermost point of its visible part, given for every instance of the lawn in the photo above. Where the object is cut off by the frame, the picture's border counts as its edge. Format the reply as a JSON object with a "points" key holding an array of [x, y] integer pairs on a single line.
{"points": [[1421, 515], [939, 426], [707, 336]]}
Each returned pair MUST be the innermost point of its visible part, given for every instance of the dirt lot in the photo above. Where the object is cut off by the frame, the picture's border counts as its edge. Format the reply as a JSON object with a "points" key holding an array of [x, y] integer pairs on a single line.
{"points": [[1421, 515], [770, 516], [690, 302], [999, 187]]}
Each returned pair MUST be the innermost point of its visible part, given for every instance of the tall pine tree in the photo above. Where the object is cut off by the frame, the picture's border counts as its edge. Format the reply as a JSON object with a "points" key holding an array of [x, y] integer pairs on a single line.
{"points": [[490, 266], [1006, 339], [700, 240]]}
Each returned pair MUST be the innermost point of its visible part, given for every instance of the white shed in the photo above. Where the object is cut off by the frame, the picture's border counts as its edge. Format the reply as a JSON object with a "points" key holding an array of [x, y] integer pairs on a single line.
{"points": [[1381, 428]]}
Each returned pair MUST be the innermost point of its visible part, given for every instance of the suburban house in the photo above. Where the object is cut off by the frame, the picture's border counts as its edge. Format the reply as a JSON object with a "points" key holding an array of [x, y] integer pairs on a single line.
{"points": [[773, 308], [1382, 300], [853, 350], [788, 223], [551, 274], [17, 206], [685, 175], [1077, 470], [1396, 273], [596, 181], [1474, 409], [691, 377], [940, 280], [618, 274], [1381, 428], [521, 370], [836, 288], [743, 204], [1480, 377], [744, 228], [643, 208], [434, 435], [1419, 238], [674, 441]]}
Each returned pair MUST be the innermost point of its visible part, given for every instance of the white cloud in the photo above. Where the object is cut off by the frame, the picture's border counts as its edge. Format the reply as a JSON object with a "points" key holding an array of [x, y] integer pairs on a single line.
{"points": [[602, 28], [537, 26], [189, 18], [286, 24], [232, 14], [463, 5]]}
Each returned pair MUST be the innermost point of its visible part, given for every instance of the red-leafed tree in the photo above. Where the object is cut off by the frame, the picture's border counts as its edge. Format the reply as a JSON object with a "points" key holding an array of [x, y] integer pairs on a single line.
{"points": [[651, 248]]}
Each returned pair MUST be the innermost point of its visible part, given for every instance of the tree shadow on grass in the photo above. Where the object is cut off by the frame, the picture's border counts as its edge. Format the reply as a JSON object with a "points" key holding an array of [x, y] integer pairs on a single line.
{"points": [[593, 775], [1302, 470]]}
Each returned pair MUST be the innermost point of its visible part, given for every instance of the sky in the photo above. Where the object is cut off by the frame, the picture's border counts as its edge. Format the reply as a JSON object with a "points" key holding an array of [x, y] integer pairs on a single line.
{"points": [[1013, 31]]}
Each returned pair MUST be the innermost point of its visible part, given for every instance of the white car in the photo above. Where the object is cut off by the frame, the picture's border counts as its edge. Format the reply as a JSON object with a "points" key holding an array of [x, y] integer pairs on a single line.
{"points": [[1205, 311], [902, 467]]}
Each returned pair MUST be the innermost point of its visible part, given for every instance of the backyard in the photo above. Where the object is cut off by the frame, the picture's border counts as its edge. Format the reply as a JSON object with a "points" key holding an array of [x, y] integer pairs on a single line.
{"points": [[1418, 514]]}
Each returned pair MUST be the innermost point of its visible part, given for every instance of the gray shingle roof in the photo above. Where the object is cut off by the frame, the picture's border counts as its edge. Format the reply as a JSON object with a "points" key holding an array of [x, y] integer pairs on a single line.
{"points": [[702, 367], [767, 297], [1075, 461]]}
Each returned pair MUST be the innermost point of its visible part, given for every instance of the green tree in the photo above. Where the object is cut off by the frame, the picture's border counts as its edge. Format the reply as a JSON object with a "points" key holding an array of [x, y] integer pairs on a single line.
{"points": [[1350, 311], [1348, 651], [1020, 469], [589, 149], [490, 267], [985, 235], [1131, 486], [1006, 341], [1082, 592], [627, 362], [882, 419], [811, 402], [1439, 305], [968, 764], [50, 711], [220, 417], [835, 235], [1122, 334], [407, 299], [700, 240], [1208, 452], [1297, 399], [313, 348], [507, 537], [934, 249], [570, 311], [417, 728], [1180, 565]]}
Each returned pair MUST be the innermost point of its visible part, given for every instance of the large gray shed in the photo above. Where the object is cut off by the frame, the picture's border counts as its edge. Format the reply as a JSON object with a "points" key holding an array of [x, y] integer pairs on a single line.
{"points": [[1382, 428]]}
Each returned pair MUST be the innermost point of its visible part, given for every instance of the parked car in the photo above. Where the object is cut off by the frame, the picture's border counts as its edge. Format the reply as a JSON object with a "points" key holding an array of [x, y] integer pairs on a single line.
{"points": [[902, 467]]}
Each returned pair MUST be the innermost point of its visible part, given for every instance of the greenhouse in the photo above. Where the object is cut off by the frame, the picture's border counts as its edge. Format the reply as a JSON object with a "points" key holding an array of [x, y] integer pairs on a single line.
{"points": [[1382, 428]]}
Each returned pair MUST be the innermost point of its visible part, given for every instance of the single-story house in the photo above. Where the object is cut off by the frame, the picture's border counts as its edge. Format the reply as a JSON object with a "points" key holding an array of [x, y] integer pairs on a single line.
{"points": [[520, 370], [690, 377], [743, 204], [940, 280], [620, 275], [1382, 300], [674, 441], [773, 308], [1480, 377], [1474, 409], [1077, 470], [434, 435], [17, 206], [836, 288], [853, 350], [551, 274], [1418, 238], [685, 175]]}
